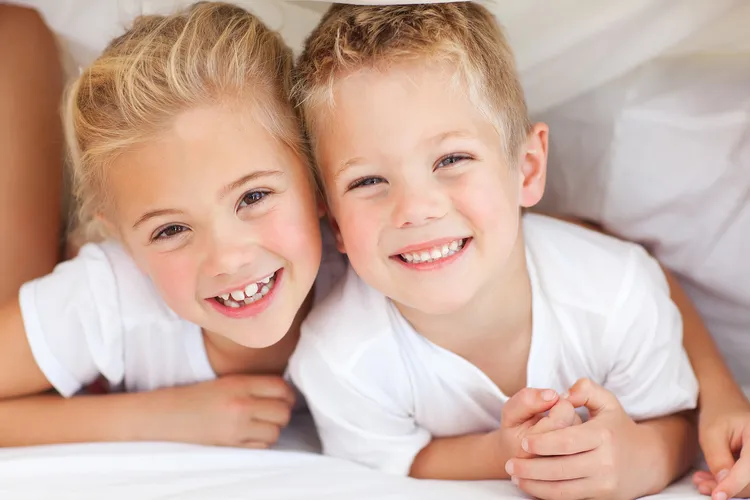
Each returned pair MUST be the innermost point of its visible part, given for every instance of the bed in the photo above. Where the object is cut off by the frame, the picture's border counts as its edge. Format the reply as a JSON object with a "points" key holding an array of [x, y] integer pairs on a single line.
{"points": [[650, 116]]}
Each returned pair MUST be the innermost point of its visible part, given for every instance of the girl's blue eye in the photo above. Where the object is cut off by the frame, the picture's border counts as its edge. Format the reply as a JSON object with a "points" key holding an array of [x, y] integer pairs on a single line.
{"points": [[251, 198], [451, 160], [366, 181], [169, 232]]}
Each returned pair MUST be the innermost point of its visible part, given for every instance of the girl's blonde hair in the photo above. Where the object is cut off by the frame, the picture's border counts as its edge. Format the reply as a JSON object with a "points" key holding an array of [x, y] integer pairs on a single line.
{"points": [[209, 54]]}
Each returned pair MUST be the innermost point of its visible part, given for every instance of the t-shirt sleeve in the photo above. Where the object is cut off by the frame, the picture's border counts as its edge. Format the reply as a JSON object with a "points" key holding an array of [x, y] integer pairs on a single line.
{"points": [[651, 374], [73, 323], [356, 419]]}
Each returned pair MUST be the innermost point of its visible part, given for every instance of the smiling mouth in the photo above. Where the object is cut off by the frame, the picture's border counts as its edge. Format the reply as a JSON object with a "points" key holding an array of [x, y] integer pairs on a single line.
{"points": [[434, 254], [253, 292]]}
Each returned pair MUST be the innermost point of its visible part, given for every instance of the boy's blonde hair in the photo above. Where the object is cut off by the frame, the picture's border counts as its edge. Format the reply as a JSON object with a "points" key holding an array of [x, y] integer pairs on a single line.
{"points": [[209, 54], [352, 37]]}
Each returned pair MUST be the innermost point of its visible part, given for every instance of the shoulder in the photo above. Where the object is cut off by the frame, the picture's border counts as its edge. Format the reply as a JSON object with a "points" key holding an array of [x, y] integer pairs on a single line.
{"points": [[584, 269], [353, 320]]}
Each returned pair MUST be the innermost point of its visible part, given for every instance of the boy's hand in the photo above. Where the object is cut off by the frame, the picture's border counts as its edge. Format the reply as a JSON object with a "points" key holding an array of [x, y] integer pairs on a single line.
{"points": [[723, 432], [239, 410], [594, 459], [519, 415]]}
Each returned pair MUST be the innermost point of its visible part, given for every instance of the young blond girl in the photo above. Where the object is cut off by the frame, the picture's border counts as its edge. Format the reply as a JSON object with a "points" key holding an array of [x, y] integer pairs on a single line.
{"points": [[191, 179]]}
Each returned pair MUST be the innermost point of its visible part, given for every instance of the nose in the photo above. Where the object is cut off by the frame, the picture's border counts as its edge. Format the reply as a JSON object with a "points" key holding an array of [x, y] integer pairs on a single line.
{"points": [[227, 253], [417, 204]]}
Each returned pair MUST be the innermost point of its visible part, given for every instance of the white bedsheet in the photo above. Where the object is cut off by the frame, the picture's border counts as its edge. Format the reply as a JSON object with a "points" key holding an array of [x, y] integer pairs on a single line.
{"points": [[166, 471]]}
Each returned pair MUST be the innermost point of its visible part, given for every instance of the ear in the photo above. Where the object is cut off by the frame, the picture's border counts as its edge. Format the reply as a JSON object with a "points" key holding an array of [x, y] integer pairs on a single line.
{"points": [[534, 165], [337, 233]]}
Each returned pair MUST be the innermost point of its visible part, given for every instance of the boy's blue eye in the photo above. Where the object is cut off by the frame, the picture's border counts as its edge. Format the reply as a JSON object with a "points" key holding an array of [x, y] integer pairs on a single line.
{"points": [[366, 181], [251, 198], [451, 160], [169, 232]]}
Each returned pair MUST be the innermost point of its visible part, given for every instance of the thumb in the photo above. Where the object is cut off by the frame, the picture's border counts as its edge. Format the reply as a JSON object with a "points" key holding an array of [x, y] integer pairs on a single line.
{"points": [[596, 399], [526, 404]]}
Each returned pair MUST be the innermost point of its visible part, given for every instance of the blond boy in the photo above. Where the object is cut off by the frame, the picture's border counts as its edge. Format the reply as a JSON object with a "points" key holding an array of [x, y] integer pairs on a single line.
{"points": [[421, 362]]}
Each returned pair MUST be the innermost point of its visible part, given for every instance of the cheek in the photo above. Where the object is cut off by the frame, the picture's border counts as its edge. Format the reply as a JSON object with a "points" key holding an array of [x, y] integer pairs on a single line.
{"points": [[359, 222], [292, 229], [488, 199], [175, 275]]}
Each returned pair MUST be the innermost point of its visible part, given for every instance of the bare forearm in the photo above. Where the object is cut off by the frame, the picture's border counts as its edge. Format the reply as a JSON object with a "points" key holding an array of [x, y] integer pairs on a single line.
{"points": [[669, 448], [471, 457], [51, 419], [714, 378]]}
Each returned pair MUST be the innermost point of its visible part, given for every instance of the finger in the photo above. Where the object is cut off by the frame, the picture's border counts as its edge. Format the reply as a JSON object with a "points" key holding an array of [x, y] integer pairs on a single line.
{"points": [[262, 432], [269, 386], [560, 416], [567, 441], [717, 450], [702, 475], [706, 487], [526, 404], [552, 468], [593, 396], [738, 478], [254, 445], [558, 490], [272, 411]]}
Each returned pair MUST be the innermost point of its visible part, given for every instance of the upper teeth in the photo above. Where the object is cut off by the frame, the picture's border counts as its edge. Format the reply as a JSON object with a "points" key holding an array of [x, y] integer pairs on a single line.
{"points": [[250, 292], [435, 253]]}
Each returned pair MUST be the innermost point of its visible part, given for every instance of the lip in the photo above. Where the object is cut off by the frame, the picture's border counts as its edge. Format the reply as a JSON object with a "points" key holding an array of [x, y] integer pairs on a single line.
{"points": [[249, 310], [439, 264], [228, 291], [428, 245]]}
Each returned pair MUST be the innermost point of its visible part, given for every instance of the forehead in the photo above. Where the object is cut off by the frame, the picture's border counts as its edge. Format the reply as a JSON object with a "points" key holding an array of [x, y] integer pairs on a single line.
{"points": [[396, 107], [203, 148]]}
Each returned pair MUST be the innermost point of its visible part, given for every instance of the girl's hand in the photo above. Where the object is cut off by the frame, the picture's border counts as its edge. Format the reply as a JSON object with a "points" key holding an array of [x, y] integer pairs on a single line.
{"points": [[239, 410]]}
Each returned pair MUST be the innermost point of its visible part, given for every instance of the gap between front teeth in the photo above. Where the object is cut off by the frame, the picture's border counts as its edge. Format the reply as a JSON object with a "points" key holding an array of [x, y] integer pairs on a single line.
{"points": [[435, 253]]}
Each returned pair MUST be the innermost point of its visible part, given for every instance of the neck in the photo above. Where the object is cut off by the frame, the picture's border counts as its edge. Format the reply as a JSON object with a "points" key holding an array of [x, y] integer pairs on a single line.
{"points": [[499, 312], [227, 357]]}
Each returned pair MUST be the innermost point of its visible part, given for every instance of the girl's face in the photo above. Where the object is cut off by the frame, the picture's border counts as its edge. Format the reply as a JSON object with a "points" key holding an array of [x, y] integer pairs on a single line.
{"points": [[224, 220]]}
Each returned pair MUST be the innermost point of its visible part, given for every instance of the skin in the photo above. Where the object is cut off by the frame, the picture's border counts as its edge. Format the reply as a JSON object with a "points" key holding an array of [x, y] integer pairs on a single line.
{"points": [[407, 164], [233, 205], [32, 145]]}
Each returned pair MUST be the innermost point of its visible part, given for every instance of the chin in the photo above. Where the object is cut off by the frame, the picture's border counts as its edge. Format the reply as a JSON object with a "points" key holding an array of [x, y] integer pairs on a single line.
{"points": [[438, 307]]}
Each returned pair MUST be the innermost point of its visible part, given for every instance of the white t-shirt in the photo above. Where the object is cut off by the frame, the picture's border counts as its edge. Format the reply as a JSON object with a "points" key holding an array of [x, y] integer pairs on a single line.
{"points": [[100, 315], [379, 391]]}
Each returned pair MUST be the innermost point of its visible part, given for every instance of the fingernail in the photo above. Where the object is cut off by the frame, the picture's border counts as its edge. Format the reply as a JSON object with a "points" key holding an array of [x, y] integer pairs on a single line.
{"points": [[525, 445], [514, 480], [548, 395], [509, 467], [565, 395], [722, 475], [720, 496]]}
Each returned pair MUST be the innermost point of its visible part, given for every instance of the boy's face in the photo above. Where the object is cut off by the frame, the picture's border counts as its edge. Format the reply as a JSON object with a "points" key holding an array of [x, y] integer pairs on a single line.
{"points": [[425, 203], [224, 220]]}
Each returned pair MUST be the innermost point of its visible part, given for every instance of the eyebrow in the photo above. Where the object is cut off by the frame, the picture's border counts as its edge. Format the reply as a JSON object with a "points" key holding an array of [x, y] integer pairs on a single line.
{"points": [[247, 178], [222, 194]]}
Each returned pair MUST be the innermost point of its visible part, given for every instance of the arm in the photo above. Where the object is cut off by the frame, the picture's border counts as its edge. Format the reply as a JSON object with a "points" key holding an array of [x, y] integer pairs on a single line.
{"points": [[672, 447], [51, 419], [471, 457], [31, 171]]}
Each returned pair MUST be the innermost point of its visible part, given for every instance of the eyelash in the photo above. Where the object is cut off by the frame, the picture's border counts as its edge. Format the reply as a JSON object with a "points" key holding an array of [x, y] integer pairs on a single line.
{"points": [[178, 229], [262, 194], [364, 181]]}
